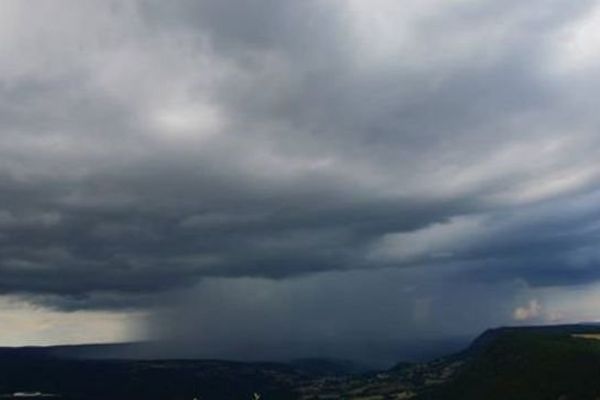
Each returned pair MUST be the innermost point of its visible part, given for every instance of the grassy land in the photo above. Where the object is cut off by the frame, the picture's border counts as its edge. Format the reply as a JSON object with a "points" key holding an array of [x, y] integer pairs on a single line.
{"points": [[529, 365]]}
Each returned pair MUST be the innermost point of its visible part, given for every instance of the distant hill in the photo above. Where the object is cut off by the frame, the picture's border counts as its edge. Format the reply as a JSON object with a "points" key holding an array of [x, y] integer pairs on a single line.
{"points": [[367, 356], [131, 351]]}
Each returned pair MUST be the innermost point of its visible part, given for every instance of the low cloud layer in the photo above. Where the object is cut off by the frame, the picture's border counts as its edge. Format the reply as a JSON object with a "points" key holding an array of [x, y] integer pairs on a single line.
{"points": [[150, 147]]}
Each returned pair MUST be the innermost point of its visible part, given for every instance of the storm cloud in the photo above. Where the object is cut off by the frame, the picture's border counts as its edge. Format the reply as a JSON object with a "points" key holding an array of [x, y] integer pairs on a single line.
{"points": [[151, 150]]}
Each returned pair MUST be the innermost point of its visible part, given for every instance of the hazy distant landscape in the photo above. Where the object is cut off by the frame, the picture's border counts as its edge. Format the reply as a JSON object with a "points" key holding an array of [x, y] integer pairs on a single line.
{"points": [[551, 362]]}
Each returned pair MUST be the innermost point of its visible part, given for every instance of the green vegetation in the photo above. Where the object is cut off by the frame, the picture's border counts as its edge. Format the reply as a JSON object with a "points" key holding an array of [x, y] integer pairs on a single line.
{"points": [[528, 364]]}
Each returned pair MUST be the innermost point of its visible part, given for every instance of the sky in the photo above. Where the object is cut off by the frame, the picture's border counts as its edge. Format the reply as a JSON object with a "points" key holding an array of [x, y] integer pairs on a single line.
{"points": [[269, 178]]}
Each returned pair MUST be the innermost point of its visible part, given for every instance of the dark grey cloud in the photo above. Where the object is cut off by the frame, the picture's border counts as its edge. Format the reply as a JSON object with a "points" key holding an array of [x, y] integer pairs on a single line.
{"points": [[149, 147]]}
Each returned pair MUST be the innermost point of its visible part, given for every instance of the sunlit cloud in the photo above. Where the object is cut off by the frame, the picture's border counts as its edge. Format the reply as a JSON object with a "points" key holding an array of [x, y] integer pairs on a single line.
{"points": [[24, 323]]}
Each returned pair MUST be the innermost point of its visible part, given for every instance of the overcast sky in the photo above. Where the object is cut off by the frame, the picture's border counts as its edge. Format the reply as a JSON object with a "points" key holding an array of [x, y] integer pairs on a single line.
{"points": [[297, 173]]}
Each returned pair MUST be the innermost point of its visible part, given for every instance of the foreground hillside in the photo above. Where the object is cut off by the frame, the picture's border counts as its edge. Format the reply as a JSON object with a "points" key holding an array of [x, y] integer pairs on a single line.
{"points": [[529, 364]]}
